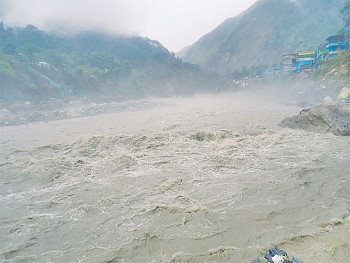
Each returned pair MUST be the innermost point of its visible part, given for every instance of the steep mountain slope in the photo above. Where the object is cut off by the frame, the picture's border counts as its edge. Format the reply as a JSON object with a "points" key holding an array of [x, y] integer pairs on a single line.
{"points": [[36, 66], [264, 32]]}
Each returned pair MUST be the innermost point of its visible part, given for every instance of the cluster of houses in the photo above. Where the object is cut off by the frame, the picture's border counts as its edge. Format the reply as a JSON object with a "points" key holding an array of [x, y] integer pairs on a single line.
{"points": [[303, 60]]}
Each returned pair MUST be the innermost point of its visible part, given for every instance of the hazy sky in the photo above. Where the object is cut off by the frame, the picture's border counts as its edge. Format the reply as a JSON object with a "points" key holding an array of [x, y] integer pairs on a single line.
{"points": [[175, 23]]}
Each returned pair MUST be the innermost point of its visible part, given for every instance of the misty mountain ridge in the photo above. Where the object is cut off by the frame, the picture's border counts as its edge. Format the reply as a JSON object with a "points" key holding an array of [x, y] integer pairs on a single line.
{"points": [[36, 65], [264, 32]]}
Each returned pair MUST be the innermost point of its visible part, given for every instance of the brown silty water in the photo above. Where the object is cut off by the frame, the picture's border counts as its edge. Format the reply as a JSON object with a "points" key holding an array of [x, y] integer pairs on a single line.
{"points": [[202, 179]]}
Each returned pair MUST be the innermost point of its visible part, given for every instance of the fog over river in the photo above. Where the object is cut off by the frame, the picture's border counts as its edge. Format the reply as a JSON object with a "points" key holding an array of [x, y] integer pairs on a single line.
{"points": [[201, 179]]}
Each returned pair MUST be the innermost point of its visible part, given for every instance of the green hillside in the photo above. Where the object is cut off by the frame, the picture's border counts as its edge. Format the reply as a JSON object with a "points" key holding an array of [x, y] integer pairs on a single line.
{"points": [[334, 74], [264, 32], [36, 66]]}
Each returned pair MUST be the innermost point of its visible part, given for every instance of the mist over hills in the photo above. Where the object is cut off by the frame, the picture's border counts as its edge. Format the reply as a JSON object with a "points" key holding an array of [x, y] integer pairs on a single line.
{"points": [[36, 65], [266, 31]]}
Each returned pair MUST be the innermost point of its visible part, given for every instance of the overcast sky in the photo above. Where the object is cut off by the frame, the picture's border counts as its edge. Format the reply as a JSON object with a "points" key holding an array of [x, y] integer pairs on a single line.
{"points": [[175, 23]]}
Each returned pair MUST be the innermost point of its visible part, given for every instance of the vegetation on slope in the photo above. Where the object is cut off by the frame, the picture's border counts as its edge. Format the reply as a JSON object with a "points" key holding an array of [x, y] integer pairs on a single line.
{"points": [[334, 74], [266, 31], [35, 65]]}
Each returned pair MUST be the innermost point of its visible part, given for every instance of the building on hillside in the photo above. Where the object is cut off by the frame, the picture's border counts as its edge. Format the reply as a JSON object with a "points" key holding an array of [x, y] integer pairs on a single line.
{"points": [[321, 54], [336, 44], [288, 61], [346, 14], [314, 59], [304, 60]]}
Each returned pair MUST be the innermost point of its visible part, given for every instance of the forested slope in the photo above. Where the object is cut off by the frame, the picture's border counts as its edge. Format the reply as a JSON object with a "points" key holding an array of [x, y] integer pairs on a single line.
{"points": [[35, 65]]}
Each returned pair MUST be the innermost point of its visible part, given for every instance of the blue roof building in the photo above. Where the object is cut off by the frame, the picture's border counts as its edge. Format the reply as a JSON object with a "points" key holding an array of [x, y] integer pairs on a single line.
{"points": [[336, 44], [304, 60], [321, 54]]}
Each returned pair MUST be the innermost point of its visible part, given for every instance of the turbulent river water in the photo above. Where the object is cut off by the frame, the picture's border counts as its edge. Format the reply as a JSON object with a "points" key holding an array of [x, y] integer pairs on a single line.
{"points": [[201, 179]]}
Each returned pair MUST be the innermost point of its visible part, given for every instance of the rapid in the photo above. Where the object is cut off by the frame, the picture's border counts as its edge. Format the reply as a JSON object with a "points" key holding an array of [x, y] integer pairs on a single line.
{"points": [[210, 178]]}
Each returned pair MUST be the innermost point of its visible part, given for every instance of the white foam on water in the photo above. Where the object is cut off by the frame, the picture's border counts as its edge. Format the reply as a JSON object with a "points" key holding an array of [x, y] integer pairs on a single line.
{"points": [[204, 179]]}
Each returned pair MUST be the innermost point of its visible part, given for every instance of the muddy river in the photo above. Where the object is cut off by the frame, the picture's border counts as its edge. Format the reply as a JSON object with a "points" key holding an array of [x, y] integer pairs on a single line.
{"points": [[200, 179]]}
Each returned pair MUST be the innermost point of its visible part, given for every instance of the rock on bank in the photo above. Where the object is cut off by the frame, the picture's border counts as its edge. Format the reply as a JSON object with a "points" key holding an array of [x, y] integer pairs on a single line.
{"points": [[328, 117]]}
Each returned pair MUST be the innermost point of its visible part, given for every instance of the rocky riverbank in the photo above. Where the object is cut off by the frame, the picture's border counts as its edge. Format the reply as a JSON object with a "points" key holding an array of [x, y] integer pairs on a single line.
{"points": [[333, 117]]}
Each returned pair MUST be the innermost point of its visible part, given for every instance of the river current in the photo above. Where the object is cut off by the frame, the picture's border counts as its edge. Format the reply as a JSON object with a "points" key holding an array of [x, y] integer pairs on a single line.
{"points": [[201, 179]]}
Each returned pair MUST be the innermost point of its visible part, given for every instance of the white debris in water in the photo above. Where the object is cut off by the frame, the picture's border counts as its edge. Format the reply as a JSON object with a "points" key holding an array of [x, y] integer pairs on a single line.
{"points": [[278, 259]]}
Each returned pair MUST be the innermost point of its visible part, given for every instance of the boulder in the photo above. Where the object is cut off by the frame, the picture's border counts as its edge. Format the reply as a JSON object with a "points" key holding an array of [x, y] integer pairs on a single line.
{"points": [[344, 94], [276, 255], [331, 117]]}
